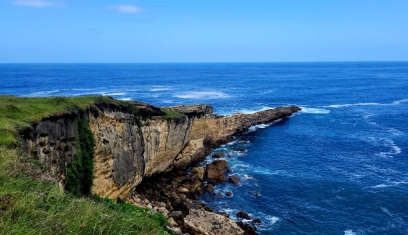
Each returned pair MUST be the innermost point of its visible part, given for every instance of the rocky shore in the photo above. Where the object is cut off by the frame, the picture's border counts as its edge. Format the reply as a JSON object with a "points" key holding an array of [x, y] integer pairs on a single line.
{"points": [[151, 157], [175, 195]]}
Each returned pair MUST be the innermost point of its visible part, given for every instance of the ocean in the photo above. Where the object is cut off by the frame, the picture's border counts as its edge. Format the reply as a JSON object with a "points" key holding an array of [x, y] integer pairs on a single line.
{"points": [[340, 166]]}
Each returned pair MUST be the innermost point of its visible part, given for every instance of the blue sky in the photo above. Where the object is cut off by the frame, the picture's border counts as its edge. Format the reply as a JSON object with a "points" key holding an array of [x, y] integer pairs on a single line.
{"points": [[203, 30]]}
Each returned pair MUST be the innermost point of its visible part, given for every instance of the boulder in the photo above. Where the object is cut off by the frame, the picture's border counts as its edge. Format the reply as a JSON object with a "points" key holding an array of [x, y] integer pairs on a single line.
{"points": [[209, 188], [218, 155], [256, 221], [248, 229], [197, 173], [243, 215], [216, 171], [204, 223], [234, 179], [176, 215]]}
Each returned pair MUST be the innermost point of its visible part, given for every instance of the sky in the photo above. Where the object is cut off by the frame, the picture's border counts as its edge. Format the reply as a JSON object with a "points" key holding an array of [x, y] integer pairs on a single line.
{"points": [[125, 31]]}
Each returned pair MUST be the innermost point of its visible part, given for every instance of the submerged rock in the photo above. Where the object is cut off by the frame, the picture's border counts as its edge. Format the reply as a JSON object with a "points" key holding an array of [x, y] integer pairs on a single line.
{"points": [[209, 188], [218, 155], [234, 179], [243, 215]]}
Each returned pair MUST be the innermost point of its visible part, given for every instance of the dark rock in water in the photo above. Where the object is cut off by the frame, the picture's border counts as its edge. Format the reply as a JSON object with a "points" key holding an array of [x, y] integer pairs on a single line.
{"points": [[218, 155], [256, 221], [257, 194], [229, 194], [243, 215], [216, 171], [209, 188], [248, 229], [234, 179]]}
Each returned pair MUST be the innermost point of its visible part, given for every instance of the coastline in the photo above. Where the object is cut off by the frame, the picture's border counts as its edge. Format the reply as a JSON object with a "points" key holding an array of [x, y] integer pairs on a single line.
{"points": [[133, 144]]}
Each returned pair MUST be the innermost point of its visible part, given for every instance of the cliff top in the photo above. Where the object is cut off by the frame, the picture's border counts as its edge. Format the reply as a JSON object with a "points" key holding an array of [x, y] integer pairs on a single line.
{"points": [[31, 203]]}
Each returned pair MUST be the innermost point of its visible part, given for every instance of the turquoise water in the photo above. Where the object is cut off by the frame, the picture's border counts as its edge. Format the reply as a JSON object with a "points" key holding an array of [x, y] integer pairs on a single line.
{"points": [[337, 167]]}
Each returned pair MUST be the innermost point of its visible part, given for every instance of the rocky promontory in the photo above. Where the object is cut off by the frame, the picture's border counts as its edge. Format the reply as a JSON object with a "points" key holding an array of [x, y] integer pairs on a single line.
{"points": [[136, 144]]}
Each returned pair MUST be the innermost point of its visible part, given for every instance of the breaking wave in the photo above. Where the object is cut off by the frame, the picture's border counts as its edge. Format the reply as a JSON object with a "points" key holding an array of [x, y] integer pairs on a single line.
{"points": [[397, 102], [202, 95], [314, 110]]}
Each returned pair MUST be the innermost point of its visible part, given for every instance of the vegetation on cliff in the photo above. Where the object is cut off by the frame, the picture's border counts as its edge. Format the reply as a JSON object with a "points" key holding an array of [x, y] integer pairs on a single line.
{"points": [[79, 177], [31, 203]]}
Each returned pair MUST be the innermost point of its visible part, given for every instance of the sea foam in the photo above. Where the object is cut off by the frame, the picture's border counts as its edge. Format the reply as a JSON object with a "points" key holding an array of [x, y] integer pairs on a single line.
{"points": [[349, 232], [397, 102], [314, 110], [202, 95]]}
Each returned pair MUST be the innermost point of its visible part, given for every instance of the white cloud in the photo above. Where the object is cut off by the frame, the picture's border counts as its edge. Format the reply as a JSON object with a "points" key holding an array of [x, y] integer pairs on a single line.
{"points": [[126, 8], [33, 3]]}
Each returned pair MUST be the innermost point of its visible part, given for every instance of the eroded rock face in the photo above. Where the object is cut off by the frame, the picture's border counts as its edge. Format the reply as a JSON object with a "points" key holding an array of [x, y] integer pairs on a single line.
{"points": [[204, 222], [53, 143], [128, 150], [119, 147]]}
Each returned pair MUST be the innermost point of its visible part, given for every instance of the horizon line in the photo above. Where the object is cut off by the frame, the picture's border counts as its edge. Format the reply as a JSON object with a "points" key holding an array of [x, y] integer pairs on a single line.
{"points": [[211, 62]]}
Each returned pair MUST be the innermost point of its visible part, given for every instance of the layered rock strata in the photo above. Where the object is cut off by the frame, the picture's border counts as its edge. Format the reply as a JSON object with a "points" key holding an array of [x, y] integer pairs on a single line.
{"points": [[129, 149]]}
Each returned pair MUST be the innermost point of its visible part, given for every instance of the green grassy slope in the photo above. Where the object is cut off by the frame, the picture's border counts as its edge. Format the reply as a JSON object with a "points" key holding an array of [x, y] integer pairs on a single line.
{"points": [[31, 204]]}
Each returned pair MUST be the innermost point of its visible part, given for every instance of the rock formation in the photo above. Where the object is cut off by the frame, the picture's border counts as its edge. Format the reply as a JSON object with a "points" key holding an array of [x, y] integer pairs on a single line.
{"points": [[129, 149]]}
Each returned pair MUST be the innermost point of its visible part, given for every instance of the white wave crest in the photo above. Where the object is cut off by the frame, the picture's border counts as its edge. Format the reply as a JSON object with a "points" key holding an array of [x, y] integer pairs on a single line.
{"points": [[397, 102], [168, 101], [395, 131], [114, 93], [393, 151], [260, 126], [202, 95], [43, 93], [247, 177], [349, 232], [392, 184], [161, 89], [314, 110], [126, 99], [250, 111]]}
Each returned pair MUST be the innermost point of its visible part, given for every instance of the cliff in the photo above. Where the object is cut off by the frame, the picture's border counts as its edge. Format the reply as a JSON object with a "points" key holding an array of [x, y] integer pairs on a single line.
{"points": [[131, 146]]}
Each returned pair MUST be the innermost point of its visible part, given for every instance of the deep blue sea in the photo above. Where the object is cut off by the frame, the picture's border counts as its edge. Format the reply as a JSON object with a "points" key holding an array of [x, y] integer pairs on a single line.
{"points": [[340, 166]]}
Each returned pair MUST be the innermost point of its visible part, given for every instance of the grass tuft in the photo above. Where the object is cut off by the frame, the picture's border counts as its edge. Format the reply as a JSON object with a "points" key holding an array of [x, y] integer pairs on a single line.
{"points": [[170, 113]]}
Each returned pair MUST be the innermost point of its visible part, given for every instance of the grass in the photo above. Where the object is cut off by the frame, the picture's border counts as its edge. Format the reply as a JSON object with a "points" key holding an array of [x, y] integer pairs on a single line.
{"points": [[31, 205], [17, 113], [170, 113]]}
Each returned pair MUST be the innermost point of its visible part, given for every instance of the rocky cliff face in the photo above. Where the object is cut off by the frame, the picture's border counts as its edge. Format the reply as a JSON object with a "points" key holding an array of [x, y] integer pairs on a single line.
{"points": [[53, 143], [128, 150]]}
